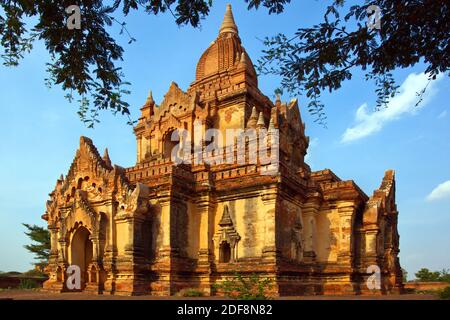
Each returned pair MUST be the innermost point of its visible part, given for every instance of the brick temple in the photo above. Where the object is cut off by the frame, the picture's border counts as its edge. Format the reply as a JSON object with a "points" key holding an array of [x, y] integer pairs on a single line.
{"points": [[157, 227]]}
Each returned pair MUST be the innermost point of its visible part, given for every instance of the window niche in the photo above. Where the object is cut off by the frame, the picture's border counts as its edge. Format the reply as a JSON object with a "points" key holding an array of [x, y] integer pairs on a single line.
{"points": [[226, 239]]}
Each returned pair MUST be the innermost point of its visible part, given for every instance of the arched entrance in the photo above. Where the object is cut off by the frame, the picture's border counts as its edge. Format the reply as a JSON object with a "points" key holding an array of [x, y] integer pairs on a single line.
{"points": [[168, 144], [81, 252]]}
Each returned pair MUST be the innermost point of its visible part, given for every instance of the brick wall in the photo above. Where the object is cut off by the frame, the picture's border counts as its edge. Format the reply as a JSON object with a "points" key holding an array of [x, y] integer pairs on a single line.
{"points": [[426, 285]]}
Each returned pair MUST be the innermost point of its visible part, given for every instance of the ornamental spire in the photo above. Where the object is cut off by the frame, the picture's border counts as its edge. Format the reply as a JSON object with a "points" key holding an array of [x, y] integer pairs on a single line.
{"points": [[260, 123], [226, 218], [251, 123], [106, 158], [228, 24], [243, 58], [271, 125], [150, 98]]}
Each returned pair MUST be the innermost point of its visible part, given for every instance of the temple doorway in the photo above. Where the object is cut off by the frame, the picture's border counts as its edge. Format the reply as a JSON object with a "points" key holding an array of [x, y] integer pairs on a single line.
{"points": [[169, 144], [224, 252], [81, 252]]}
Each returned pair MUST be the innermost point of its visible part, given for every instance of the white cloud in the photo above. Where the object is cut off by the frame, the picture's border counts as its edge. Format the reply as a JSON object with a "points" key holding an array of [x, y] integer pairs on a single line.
{"points": [[313, 143], [442, 115], [442, 191], [404, 102]]}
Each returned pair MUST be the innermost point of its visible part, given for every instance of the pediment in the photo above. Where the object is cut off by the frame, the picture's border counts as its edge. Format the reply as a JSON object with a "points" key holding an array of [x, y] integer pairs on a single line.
{"points": [[175, 102], [90, 175]]}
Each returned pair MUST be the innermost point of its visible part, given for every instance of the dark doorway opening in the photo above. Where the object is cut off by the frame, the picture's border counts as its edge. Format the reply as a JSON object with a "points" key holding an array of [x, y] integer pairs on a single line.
{"points": [[81, 250], [225, 252]]}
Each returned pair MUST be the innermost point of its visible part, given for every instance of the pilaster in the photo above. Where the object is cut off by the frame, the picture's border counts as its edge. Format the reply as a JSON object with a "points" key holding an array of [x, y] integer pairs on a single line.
{"points": [[310, 211], [270, 200], [346, 213]]}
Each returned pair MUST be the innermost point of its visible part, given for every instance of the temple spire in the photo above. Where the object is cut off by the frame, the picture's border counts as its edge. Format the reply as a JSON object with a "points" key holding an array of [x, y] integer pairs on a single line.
{"points": [[260, 123], [150, 98], [228, 24], [106, 158], [277, 100], [271, 125], [243, 60], [251, 123], [226, 218]]}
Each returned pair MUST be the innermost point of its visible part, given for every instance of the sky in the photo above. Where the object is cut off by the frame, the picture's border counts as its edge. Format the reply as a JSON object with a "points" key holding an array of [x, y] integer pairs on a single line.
{"points": [[40, 130]]}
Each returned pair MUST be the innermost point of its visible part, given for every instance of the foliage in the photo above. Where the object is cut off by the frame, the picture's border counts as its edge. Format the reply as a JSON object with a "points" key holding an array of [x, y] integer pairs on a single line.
{"points": [[323, 56], [84, 62], [190, 292], [410, 290], [10, 274], [405, 275], [28, 284], [41, 246], [444, 276], [432, 292], [251, 288], [445, 293], [425, 275], [35, 274]]}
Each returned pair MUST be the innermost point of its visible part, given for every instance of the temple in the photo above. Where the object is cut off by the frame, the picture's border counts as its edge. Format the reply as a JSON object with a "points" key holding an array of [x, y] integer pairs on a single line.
{"points": [[158, 227]]}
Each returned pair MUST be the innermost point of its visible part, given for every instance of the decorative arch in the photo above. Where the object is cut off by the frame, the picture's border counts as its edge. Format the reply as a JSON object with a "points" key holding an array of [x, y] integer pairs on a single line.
{"points": [[81, 251], [167, 143], [75, 204]]}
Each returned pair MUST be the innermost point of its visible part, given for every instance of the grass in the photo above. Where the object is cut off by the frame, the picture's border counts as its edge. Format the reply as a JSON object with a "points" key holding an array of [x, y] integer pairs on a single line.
{"points": [[426, 291], [190, 292], [28, 284]]}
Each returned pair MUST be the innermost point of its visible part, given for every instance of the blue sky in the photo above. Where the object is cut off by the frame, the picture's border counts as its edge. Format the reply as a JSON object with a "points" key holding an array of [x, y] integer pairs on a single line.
{"points": [[40, 130]]}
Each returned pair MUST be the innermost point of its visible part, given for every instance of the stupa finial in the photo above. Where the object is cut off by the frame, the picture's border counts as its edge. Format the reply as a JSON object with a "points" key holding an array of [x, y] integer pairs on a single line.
{"points": [[228, 24]]}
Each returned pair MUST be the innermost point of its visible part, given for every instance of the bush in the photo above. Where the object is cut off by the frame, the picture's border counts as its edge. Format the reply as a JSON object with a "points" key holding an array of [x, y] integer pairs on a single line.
{"points": [[252, 288], [11, 274], [28, 284], [445, 275], [410, 290], [425, 275], [190, 292], [445, 293], [426, 292], [35, 273]]}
